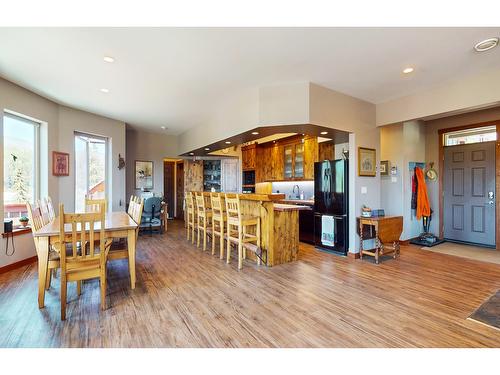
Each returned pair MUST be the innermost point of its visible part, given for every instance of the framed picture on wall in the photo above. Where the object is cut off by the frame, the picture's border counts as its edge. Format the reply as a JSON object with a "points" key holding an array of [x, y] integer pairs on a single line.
{"points": [[60, 163], [384, 168], [143, 175], [367, 159]]}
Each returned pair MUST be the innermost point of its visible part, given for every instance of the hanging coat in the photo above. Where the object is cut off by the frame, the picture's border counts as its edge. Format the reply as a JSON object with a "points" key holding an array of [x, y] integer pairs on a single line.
{"points": [[423, 207]]}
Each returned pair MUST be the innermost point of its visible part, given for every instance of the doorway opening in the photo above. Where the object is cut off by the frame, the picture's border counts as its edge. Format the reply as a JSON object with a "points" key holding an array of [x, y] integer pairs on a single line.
{"points": [[91, 152]]}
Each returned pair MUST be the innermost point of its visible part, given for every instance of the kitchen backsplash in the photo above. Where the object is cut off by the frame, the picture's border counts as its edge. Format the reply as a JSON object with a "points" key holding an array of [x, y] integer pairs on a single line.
{"points": [[286, 187]]}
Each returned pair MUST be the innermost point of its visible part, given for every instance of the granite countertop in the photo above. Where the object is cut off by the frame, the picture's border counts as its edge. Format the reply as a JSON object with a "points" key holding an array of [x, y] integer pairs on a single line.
{"points": [[290, 207]]}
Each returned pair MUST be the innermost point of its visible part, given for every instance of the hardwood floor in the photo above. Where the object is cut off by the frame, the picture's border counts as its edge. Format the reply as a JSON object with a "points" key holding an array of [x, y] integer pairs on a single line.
{"points": [[187, 298]]}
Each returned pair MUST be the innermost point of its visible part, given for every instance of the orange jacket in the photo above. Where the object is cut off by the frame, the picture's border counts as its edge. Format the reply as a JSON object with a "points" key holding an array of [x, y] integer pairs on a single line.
{"points": [[423, 207]]}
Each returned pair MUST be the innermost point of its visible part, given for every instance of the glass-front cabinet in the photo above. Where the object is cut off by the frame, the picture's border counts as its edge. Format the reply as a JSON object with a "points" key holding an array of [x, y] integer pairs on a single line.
{"points": [[288, 162], [293, 161], [298, 168]]}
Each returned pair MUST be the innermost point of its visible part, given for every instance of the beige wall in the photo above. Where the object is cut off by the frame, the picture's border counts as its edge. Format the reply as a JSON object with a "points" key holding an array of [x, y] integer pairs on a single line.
{"points": [[402, 144], [477, 91], [142, 145], [234, 114], [58, 125]]}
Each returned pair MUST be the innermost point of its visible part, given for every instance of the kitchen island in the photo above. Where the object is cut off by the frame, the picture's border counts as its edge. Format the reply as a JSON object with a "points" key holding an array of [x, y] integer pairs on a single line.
{"points": [[279, 225]]}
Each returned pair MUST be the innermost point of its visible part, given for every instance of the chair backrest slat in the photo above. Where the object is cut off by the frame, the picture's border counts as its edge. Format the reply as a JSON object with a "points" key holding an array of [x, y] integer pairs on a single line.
{"points": [[93, 205], [83, 231], [35, 216], [233, 206], [216, 203]]}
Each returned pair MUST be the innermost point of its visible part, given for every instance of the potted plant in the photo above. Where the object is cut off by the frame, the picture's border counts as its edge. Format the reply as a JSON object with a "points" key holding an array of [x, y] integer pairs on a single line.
{"points": [[24, 221]]}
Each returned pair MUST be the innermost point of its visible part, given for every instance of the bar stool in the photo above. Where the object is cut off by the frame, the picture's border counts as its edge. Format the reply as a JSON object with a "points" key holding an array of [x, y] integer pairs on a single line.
{"points": [[218, 222], [191, 215], [204, 220], [237, 231]]}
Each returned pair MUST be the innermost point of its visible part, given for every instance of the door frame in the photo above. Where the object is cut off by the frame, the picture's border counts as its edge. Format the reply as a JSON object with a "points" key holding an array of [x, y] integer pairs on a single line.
{"points": [[441, 133]]}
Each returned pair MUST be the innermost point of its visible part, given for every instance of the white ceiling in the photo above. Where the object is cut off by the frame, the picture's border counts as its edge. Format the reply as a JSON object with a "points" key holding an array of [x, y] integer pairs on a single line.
{"points": [[174, 76]]}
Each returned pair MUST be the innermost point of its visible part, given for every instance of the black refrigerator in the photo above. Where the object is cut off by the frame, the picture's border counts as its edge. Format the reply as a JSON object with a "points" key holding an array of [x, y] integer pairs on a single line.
{"points": [[331, 206]]}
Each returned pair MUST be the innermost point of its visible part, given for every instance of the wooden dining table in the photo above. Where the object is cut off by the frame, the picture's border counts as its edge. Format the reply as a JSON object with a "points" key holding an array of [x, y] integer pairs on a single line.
{"points": [[117, 225]]}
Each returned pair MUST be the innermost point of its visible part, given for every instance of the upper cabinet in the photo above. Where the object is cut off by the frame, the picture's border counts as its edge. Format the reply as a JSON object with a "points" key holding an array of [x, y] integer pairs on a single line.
{"points": [[291, 158], [248, 157]]}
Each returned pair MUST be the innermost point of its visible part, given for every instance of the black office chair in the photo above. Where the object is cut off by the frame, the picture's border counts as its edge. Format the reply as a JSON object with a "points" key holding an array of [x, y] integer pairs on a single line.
{"points": [[151, 214]]}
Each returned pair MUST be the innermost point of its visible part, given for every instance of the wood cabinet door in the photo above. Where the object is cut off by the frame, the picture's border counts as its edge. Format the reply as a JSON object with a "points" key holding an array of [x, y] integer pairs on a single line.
{"points": [[310, 156], [277, 162]]}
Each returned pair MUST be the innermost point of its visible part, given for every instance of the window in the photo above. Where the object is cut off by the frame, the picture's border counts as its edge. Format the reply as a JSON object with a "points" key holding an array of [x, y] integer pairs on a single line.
{"points": [[20, 159], [90, 168], [474, 135]]}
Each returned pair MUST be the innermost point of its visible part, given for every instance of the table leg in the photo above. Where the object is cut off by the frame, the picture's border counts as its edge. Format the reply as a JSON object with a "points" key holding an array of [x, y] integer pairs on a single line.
{"points": [[360, 241], [43, 264], [131, 256]]}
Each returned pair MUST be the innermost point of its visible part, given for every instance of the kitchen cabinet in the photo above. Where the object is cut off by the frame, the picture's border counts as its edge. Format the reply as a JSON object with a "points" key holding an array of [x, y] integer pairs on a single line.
{"points": [[248, 157], [290, 158], [230, 171]]}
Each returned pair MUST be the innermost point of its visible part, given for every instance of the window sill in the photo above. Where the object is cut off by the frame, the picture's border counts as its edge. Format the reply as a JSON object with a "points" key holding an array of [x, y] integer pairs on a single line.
{"points": [[17, 232]]}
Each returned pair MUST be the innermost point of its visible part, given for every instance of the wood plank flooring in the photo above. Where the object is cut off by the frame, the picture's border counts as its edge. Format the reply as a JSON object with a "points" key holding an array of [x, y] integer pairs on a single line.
{"points": [[188, 298]]}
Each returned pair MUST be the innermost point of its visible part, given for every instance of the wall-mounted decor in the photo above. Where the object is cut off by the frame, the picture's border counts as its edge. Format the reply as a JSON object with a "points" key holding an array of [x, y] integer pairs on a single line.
{"points": [[367, 159], [60, 163], [431, 173], [143, 175], [121, 162], [384, 168]]}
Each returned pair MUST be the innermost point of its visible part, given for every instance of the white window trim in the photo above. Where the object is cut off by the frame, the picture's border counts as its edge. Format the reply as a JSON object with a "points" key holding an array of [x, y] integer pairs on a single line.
{"points": [[37, 124]]}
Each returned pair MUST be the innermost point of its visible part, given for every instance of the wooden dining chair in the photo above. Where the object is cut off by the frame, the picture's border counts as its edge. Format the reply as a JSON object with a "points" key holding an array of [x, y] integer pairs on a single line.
{"points": [[238, 233], [191, 215], [94, 205], [90, 260], [204, 215], [37, 222], [50, 208], [219, 219], [120, 250]]}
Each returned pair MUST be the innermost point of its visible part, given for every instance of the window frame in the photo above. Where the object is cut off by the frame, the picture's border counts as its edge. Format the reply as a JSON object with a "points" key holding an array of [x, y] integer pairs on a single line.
{"points": [[107, 169], [36, 150]]}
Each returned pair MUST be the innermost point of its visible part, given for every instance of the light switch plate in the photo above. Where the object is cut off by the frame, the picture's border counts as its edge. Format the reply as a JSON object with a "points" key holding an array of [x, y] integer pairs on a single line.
{"points": [[364, 190], [394, 179]]}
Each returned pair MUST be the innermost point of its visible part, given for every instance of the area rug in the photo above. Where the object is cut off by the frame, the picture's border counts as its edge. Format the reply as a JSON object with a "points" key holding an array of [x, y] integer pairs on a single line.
{"points": [[467, 251], [489, 312]]}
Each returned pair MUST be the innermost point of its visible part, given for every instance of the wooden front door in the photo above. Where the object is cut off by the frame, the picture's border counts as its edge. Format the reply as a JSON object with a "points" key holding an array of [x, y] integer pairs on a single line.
{"points": [[180, 191], [469, 193], [169, 185]]}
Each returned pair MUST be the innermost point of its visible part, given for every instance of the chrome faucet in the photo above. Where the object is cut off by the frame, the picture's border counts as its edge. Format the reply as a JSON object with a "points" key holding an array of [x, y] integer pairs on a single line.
{"points": [[298, 191]]}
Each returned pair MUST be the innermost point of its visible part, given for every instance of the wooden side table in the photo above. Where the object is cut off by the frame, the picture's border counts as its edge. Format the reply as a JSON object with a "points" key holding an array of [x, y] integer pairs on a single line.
{"points": [[388, 229]]}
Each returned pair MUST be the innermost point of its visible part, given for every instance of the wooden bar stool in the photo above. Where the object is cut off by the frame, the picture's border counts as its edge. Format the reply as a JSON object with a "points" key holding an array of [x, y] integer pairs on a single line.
{"points": [[218, 221], [237, 230], [191, 215], [204, 215]]}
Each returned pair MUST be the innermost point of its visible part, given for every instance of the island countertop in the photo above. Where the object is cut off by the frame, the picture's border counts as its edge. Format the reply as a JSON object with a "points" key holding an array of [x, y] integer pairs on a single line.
{"points": [[290, 207]]}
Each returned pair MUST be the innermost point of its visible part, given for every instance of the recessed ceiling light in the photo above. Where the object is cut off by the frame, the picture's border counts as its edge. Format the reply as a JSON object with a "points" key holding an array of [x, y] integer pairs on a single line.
{"points": [[486, 44], [207, 148], [191, 153], [105, 91], [255, 133], [324, 133], [227, 142], [163, 127], [108, 59], [407, 70]]}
